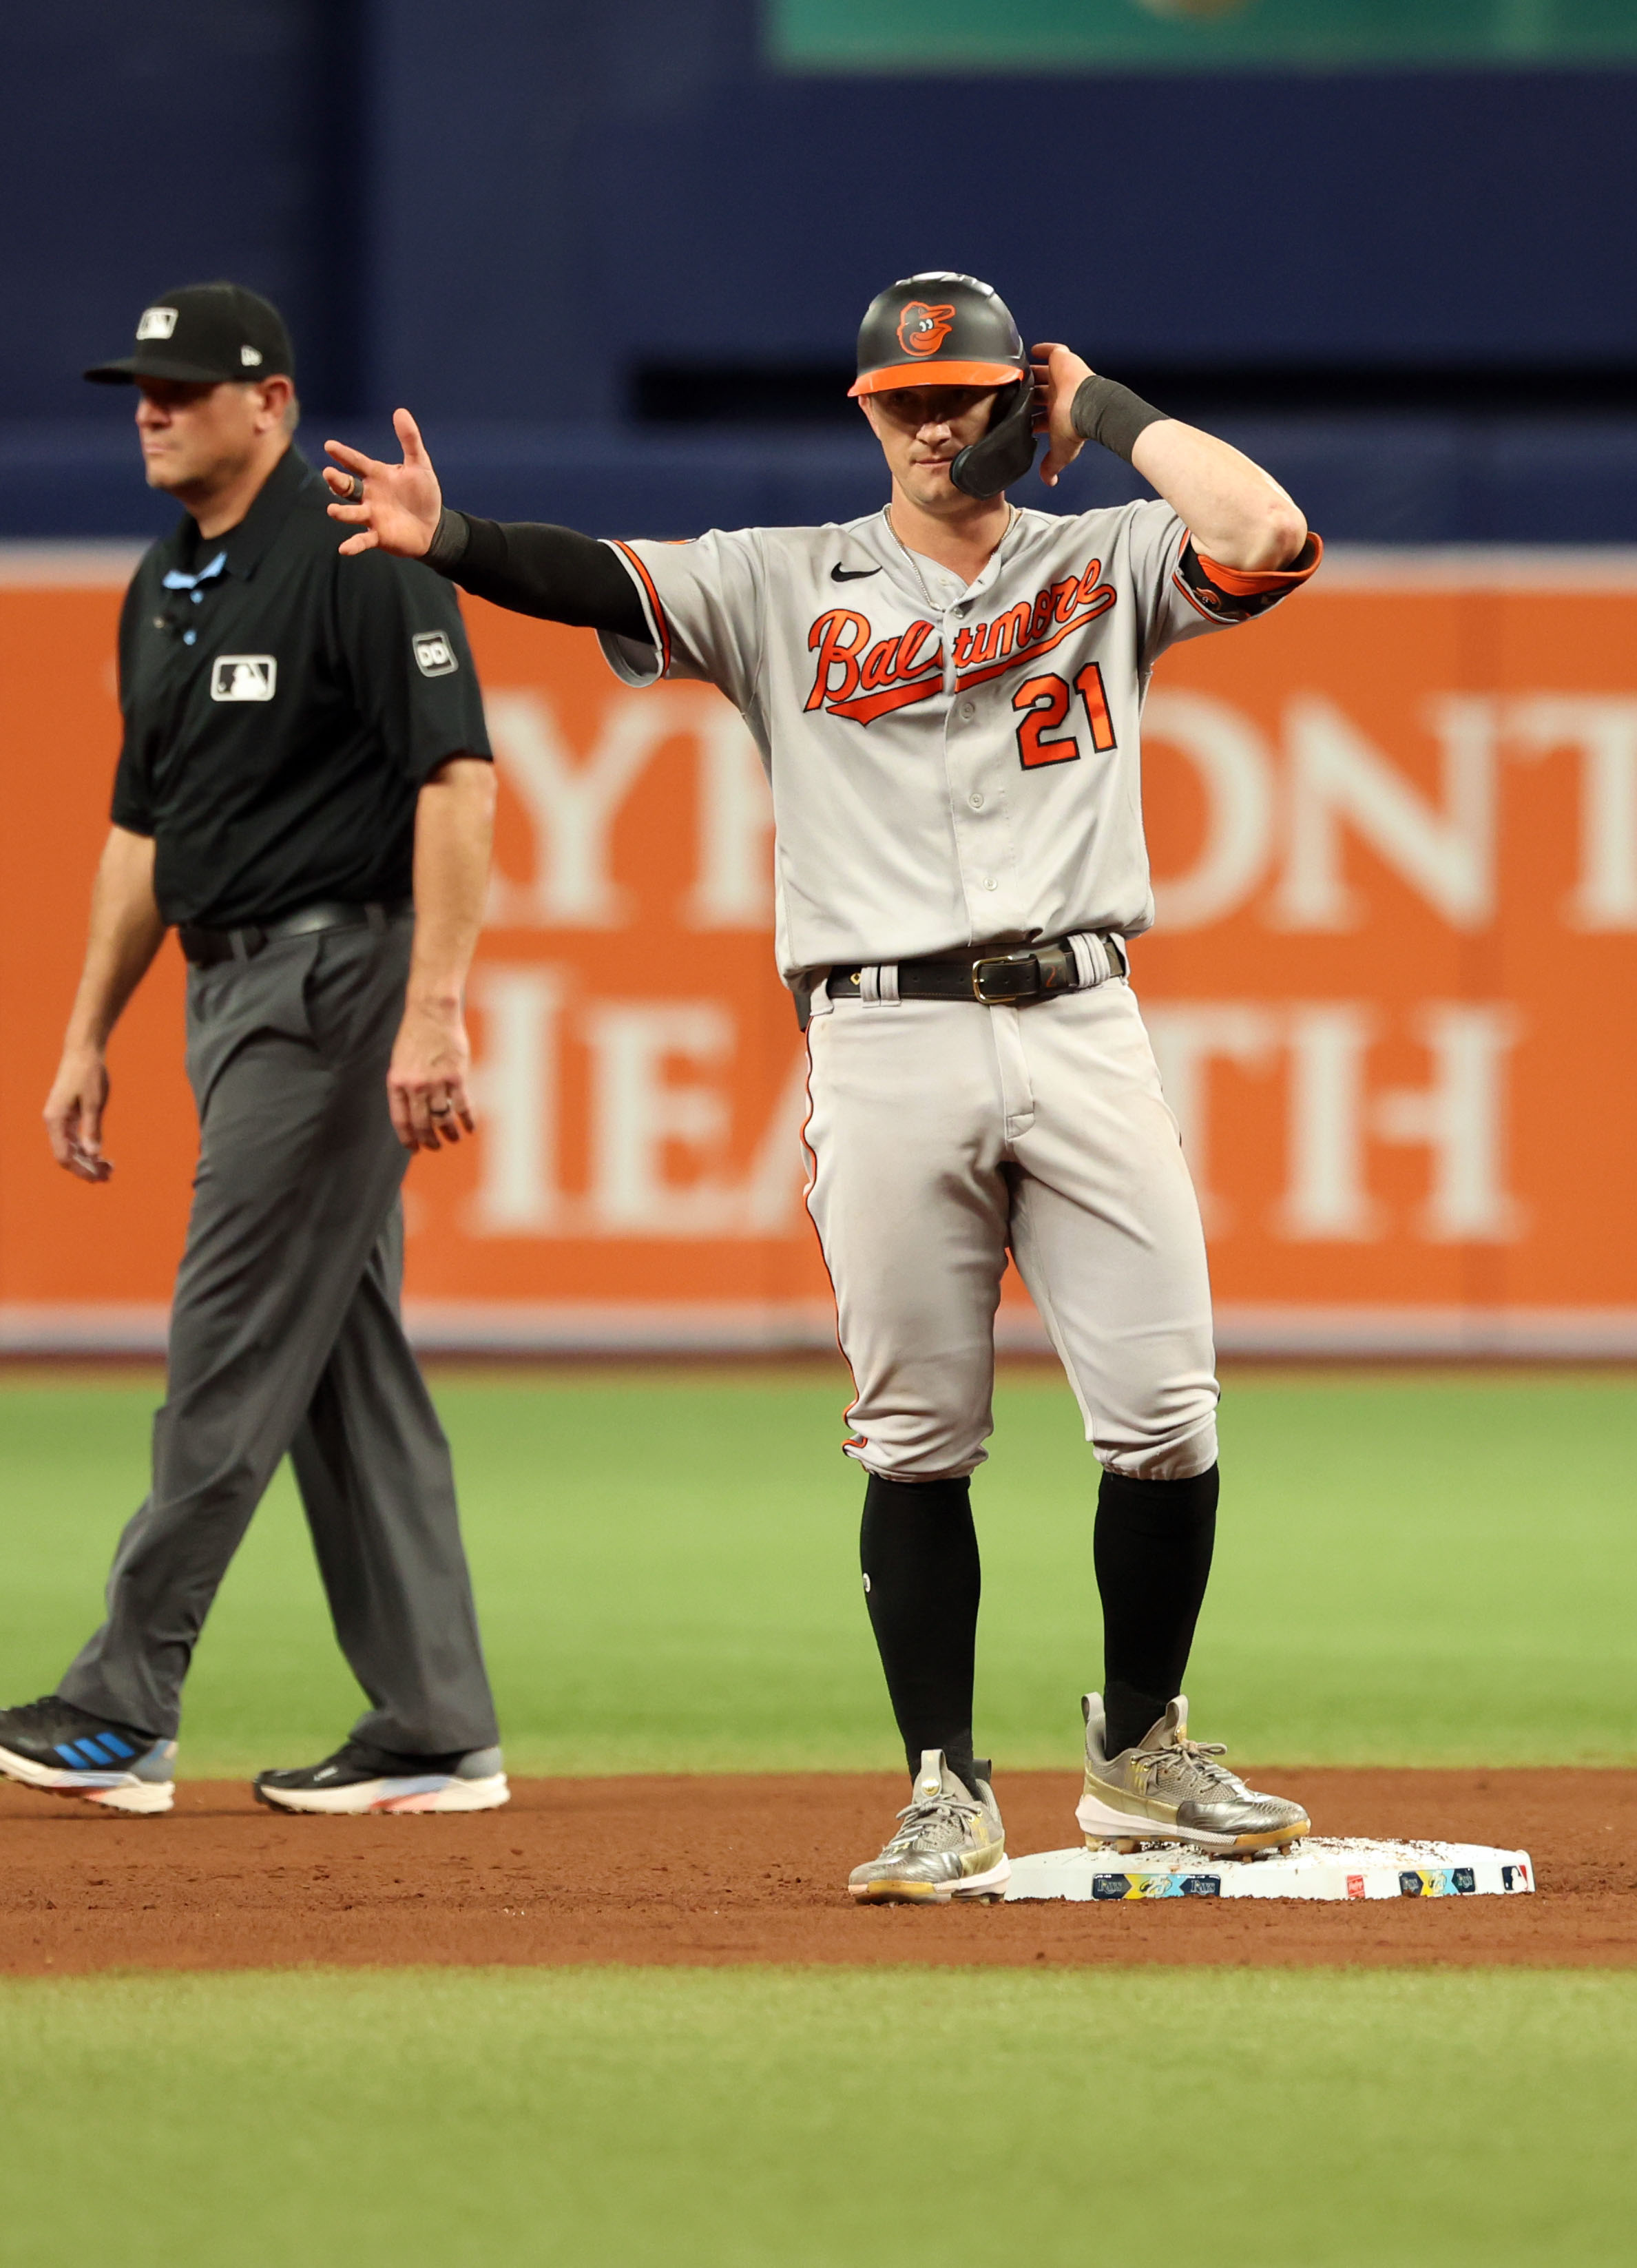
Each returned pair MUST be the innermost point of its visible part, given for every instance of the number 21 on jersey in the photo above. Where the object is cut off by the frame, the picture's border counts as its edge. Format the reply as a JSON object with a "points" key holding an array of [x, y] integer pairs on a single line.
{"points": [[1042, 704]]}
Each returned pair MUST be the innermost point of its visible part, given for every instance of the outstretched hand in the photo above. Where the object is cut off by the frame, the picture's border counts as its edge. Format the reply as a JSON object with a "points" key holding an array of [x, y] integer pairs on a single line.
{"points": [[394, 508], [1059, 373]]}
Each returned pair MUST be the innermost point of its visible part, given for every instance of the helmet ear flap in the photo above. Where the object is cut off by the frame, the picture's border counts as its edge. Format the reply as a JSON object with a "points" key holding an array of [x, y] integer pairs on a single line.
{"points": [[1004, 453]]}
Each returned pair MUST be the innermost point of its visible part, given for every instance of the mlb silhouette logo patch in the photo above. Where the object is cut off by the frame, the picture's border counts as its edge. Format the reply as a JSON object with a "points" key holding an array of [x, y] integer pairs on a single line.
{"points": [[157, 323], [243, 677], [434, 656]]}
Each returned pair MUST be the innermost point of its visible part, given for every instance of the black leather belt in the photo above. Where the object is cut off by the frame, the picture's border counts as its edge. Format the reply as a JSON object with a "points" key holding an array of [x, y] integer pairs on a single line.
{"points": [[998, 979], [204, 947]]}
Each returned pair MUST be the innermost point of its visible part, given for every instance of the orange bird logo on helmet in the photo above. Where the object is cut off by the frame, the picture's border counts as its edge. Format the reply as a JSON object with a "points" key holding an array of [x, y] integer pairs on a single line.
{"points": [[922, 329]]}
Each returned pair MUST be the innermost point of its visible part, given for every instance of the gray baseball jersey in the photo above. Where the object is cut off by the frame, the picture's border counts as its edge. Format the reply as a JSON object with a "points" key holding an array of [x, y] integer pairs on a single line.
{"points": [[951, 763]]}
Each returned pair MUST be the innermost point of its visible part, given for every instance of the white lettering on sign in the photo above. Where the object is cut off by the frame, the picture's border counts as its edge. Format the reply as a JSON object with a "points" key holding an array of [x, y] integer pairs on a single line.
{"points": [[1334, 787], [572, 802], [1338, 779], [517, 1092], [1332, 1114], [1325, 1199], [771, 1201], [659, 1111], [1189, 1036], [1602, 728], [1459, 1118], [642, 1110], [734, 886], [1236, 770]]}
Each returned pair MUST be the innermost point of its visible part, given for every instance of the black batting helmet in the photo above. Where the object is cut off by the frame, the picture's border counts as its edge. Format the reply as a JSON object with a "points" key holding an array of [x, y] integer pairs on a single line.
{"points": [[940, 328]]}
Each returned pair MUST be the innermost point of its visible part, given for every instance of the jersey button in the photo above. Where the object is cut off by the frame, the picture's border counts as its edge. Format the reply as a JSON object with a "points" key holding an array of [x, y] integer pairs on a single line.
{"points": [[968, 709], [976, 802], [989, 882]]}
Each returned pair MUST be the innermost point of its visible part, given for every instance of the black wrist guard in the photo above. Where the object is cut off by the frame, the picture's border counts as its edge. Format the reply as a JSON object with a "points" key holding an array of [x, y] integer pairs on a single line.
{"points": [[1105, 411], [449, 541]]}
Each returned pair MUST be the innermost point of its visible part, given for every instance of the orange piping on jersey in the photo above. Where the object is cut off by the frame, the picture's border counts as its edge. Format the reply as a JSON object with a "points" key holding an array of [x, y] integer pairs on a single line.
{"points": [[660, 623], [1250, 583]]}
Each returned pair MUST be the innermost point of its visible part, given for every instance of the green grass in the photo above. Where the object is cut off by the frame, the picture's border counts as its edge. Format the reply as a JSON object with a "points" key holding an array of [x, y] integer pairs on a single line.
{"points": [[820, 2119], [1419, 1570]]}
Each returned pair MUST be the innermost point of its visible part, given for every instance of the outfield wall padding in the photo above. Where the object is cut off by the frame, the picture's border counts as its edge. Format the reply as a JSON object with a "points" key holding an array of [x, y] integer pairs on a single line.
{"points": [[1391, 987]]}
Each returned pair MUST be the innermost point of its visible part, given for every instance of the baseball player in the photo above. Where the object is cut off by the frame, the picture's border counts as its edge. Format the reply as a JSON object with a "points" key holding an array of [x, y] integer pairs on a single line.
{"points": [[947, 695]]}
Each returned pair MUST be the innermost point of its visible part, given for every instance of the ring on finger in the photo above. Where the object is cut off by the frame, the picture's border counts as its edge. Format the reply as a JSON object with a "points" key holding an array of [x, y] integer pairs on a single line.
{"points": [[443, 1109]]}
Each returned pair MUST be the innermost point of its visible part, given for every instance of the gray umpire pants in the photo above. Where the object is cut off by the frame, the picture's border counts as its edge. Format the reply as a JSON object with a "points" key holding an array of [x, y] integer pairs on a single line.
{"points": [[285, 1337]]}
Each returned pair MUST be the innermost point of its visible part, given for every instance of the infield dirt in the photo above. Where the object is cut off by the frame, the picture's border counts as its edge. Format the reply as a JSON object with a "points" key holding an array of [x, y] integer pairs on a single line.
{"points": [[753, 1868]]}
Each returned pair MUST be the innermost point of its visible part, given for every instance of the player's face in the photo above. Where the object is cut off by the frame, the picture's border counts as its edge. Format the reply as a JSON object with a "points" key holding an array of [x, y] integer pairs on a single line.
{"points": [[197, 438], [922, 430]]}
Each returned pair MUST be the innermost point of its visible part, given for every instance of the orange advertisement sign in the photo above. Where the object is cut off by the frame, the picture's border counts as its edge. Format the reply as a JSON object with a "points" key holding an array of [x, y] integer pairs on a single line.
{"points": [[1394, 829]]}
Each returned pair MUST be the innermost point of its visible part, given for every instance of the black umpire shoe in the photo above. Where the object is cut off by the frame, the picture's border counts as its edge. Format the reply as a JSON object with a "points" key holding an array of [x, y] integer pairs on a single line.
{"points": [[50, 1744], [357, 1778]]}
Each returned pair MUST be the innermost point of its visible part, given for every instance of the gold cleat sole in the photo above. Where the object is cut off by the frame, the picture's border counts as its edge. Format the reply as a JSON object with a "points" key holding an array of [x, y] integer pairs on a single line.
{"points": [[1275, 1838], [985, 1889], [1242, 1847]]}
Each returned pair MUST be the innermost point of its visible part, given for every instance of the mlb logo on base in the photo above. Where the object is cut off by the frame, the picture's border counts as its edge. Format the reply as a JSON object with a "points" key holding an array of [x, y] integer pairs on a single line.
{"points": [[243, 677]]}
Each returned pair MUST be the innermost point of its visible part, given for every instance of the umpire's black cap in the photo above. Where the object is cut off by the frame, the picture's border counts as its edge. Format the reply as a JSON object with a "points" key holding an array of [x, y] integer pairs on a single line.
{"points": [[205, 334]]}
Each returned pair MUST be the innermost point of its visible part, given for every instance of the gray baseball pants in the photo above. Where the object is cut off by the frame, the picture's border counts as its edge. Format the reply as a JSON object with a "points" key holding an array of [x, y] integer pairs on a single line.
{"points": [[285, 1337], [944, 1136]]}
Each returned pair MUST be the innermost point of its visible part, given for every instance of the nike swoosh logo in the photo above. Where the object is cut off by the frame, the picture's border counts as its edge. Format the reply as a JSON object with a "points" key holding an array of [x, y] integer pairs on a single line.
{"points": [[851, 574]]}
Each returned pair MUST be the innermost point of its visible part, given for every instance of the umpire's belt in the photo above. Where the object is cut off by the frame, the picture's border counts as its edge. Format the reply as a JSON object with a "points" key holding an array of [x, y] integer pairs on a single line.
{"points": [[996, 979], [204, 947]]}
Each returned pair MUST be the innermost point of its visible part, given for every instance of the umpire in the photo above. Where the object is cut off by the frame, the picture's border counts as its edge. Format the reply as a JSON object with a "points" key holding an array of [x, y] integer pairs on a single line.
{"points": [[305, 793]]}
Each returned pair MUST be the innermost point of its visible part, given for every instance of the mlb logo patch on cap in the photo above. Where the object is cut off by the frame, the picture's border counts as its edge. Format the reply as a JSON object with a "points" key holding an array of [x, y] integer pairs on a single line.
{"points": [[434, 655], [157, 323], [243, 677]]}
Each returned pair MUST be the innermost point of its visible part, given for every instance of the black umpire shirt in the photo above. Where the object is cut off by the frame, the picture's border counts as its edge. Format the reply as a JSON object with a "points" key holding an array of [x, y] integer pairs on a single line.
{"points": [[283, 708]]}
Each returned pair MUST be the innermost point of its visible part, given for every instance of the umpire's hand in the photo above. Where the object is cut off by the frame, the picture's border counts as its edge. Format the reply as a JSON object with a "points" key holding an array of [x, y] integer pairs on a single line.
{"points": [[74, 1109], [432, 1058], [431, 1061], [394, 507]]}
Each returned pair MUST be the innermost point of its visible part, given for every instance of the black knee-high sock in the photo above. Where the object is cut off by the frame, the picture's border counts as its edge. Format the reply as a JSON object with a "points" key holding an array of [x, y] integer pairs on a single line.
{"points": [[918, 1551], [1152, 1551]]}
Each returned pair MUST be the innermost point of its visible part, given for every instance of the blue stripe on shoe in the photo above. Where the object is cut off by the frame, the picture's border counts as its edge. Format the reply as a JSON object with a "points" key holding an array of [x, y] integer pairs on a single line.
{"points": [[77, 1763], [93, 1749], [121, 1748]]}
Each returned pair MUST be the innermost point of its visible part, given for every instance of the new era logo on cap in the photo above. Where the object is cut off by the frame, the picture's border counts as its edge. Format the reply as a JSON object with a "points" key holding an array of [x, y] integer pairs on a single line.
{"points": [[157, 323], [434, 655], [243, 677]]}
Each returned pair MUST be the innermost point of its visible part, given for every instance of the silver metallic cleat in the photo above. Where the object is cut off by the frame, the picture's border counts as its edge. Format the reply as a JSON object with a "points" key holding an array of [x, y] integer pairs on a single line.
{"points": [[949, 1843], [1170, 1789]]}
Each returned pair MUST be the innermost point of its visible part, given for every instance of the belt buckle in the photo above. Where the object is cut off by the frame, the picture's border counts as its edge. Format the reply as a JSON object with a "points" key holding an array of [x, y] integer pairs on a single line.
{"points": [[980, 982]]}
